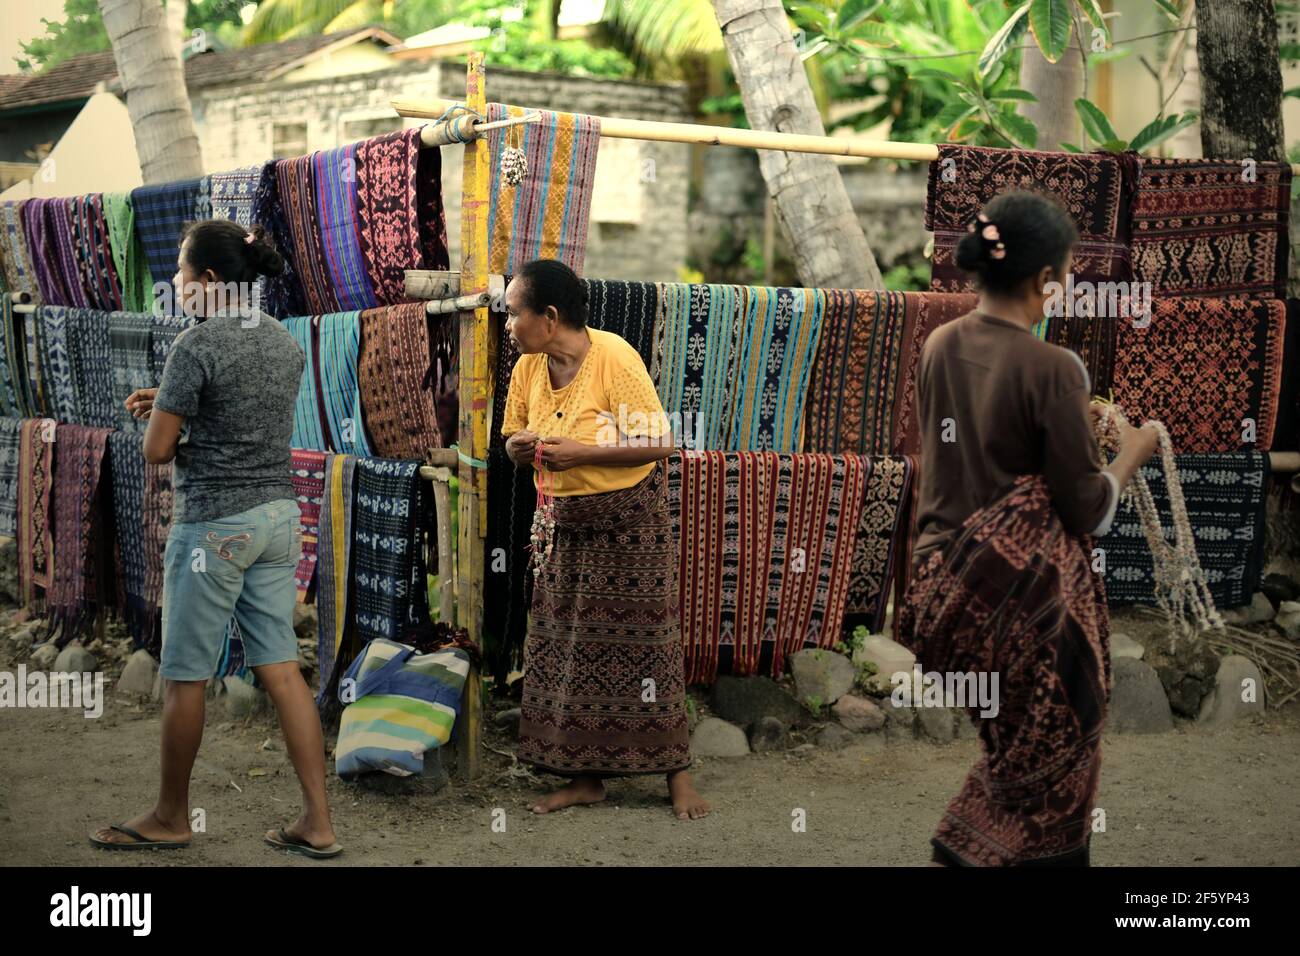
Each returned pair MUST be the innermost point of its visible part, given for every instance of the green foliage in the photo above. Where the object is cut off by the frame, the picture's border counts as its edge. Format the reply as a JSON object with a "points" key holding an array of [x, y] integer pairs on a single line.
{"points": [[909, 277], [814, 705], [1098, 127], [81, 31]]}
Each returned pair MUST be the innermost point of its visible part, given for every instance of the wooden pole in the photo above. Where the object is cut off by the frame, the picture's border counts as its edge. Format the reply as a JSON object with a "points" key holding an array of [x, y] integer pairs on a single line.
{"points": [[475, 330]]}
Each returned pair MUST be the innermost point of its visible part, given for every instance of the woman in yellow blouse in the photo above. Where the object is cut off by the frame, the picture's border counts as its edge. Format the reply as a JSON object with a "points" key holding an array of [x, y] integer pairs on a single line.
{"points": [[604, 683]]}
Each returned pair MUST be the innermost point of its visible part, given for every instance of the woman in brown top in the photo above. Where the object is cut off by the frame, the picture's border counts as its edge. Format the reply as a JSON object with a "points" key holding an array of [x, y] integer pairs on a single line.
{"points": [[1007, 594]]}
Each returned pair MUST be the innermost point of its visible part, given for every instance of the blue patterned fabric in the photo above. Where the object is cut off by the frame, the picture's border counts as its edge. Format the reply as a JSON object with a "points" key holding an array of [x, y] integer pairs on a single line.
{"points": [[308, 428], [163, 333], [10, 433], [160, 211], [388, 560], [126, 461], [55, 363], [338, 346], [130, 336], [90, 353]]}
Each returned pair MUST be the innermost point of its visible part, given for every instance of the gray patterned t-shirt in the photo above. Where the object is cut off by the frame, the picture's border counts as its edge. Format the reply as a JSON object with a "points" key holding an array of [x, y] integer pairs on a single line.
{"points": [[235, 385]]}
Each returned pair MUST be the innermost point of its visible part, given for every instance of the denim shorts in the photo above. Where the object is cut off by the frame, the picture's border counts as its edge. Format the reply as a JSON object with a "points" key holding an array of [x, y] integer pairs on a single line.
{"points": [[240, 565]]}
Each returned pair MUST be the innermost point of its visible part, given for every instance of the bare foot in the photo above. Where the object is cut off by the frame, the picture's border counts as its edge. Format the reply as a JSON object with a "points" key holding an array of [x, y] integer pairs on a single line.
{"points": [[148, 826], [582, 790], [687, 804], [317, 836]]}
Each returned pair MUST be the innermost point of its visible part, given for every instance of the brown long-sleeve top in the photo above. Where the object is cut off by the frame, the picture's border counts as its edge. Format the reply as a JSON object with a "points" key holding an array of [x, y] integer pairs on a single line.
{"points": [[995, 403]]}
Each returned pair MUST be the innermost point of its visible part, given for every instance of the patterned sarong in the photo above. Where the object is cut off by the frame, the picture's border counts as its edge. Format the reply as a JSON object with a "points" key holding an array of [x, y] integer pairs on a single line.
{"points": [[1210, 369], [160, 212], [83, 533], [334, 172], [333, 581], [233, 193], [1014, 595], [283, 294], [60, 233], [926, 311], [627, 309], [545, 216], [697, 331], [156, 508], [1095, 188], [35, 520], [1212, 228], [308, 471], [336, 342], [130, 336], [90, 353], [126, 460], [507, 580], [94, 252], [128, 253], [165, 329], [1225, 497], [880, 541], [1095, 340], [308, 411], [13, 363], [395, 376], [604, 621], [388, 549], [20, 274], [10, 439], [55, 364], [42, 247]]}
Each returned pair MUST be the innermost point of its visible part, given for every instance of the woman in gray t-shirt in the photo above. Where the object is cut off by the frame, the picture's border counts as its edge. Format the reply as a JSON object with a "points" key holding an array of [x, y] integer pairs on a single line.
{"points": [[223, 415]]}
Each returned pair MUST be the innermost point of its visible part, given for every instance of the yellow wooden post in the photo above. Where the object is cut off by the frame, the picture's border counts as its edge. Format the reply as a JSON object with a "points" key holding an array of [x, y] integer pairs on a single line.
{"points": [[474, 386]]}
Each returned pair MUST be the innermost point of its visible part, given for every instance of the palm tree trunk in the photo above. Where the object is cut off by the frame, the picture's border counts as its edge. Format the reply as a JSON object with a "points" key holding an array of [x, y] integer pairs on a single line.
{"points": [[1057, 86], [150, 71], [1241, 80], [826, 240]]}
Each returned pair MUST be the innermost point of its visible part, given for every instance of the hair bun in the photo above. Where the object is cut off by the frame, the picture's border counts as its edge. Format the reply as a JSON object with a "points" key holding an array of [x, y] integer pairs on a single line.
{"points": [[262, 254]]}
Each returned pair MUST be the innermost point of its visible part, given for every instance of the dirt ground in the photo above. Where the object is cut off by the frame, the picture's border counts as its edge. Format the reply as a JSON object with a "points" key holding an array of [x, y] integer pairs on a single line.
{"points": [[1183, 798]]}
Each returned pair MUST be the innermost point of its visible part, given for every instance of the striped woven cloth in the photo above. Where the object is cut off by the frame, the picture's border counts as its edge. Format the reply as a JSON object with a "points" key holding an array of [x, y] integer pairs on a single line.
{"points": [[128, 253], [545, 216], [94, 251], [20, 274], [333, 577], [926, 311], [60, 216], [307, 469], [767, 545], [283, 294], [335, 173], [696, 332], [130, 337], [39, 400], [42, 247], [337, 344], [35, 517], [83, 569], [627, 309], [160, 212], [308, 412]]}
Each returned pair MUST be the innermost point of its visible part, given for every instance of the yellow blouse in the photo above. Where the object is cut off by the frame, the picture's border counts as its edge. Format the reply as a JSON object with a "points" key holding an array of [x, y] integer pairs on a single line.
{"points": [[611, 397]]}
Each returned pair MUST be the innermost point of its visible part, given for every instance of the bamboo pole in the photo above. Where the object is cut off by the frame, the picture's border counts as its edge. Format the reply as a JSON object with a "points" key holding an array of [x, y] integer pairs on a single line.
{"points": [[617, 127], [475, 331]]}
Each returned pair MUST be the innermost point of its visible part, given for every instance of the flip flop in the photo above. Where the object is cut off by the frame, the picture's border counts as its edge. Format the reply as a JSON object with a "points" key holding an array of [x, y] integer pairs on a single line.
{"points": [[284, 841], [141, 842]]}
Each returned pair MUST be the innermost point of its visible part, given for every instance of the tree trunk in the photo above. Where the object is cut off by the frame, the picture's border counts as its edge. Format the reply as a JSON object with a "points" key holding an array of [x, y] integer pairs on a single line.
{"points": [[150, 72], [1241, 90], [826, 240], [1057, 86], [176, 10], [1241, 80]]}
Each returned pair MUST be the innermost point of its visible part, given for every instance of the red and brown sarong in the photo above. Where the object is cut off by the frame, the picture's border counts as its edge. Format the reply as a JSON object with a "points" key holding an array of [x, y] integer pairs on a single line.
{"points": [[1014, 594], [604, 682]]}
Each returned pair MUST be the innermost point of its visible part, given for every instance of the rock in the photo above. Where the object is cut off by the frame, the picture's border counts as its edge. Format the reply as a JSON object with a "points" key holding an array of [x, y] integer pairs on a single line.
{"points": [[1138, 704], [304, 620], [718, 738], [75, 659], [508, 719], [243, 699], [938, 723], [967, 729], [768, 734], [1186, 668], [834, 737], [821, 677], [889, 657], [139, 674], [157, 692], [900, 721], [1288, 619], [743, 700], [43, 657], [1121, 645], [432, 778], [1238, 678], [8, 570], [858, 714], [1259, 610], [1278, 588], [24, 637]]}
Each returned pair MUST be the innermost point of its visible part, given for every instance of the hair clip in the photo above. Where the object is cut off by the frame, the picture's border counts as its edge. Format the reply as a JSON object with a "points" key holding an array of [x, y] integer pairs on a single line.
{"points": [[250, 239]]}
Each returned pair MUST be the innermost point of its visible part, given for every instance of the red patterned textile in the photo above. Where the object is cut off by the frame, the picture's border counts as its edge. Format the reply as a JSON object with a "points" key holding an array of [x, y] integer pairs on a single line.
{"points": [[307, 469], [926, 311], [395, 378], [82, 576], [35, 488]]}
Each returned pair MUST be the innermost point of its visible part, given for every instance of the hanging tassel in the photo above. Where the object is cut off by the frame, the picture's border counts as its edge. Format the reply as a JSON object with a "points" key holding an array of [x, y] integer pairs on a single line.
{"points": [[542, 537]]}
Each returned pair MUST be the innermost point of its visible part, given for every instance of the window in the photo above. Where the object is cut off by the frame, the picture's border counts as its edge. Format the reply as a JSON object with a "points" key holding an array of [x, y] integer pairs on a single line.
{"points": [[288, 140]]}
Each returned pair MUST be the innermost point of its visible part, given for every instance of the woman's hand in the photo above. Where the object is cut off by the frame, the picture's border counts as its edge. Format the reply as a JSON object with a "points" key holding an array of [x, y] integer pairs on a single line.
{"points": [[561, 454], [140, 402], [1144, 441], [521, 447]]}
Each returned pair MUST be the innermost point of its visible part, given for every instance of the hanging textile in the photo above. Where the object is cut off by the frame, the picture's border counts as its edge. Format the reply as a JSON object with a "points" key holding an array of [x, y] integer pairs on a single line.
{"points": [[772, 361], [45, 257], [130, 337], [333, 566], [1286, 434], [296, 179], [1210, 369], [13, 363], [95, 261], [37, 397], [401, 223], [627, 309], [395, 376], [20, 274], [283, 295], [309, 430], [767, 545], [55, 363], [1201, 228], [308, 471], [90, 353], [129, 261], [10, 439], [507, 356], [1096, 189], [880, 540], [160, 212], [926, 311], [545, 216], [1225, 497], [388, 548], [335, 173], [61, 233], [83, 534], [507, 580], [233, 193], [1095, 340], [156, 510], [35, 490], [337, 340], [164, 330], [694, 368], [126, 462]]}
